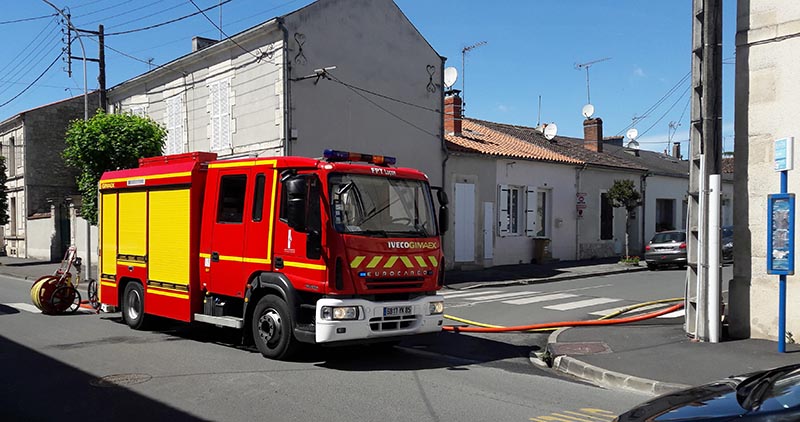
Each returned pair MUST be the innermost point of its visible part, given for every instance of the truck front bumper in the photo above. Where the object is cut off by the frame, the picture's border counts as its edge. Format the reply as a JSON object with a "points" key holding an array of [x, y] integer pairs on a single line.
{"points": [[373, 321]]}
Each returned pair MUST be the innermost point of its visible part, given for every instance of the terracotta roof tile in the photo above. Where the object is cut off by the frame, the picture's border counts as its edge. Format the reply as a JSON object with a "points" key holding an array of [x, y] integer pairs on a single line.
{"points": [[478, 138]]}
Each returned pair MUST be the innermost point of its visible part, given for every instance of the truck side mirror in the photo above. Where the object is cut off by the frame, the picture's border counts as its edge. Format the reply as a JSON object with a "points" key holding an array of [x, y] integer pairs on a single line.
{"points": [[296, 187], [444, 219], [444, 212]]}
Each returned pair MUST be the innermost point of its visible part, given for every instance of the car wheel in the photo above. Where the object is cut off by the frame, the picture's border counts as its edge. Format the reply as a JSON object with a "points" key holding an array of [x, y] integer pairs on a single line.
{"points": [[272, 328], [133, 306], [652, 267]]}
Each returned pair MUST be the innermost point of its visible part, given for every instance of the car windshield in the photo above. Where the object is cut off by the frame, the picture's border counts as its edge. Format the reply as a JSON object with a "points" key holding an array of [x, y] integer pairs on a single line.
{"points": [[381, 206], [668, 237]]}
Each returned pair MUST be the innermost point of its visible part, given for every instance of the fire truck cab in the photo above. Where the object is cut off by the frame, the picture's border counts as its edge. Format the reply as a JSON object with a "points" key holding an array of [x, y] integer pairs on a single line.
{"points": [[287, 249]]}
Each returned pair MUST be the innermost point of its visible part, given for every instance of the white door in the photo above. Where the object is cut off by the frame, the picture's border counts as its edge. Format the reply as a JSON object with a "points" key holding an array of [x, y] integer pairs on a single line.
{"points": [[465, 222], [488, 234]]}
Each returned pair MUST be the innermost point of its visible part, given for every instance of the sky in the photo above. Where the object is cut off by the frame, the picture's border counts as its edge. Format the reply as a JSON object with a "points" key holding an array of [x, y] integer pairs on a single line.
{"points": [[526, 50]]}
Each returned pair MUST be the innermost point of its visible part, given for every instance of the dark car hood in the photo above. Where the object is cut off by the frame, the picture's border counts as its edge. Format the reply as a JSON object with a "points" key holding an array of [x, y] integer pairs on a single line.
{"points": [[711, 402]]}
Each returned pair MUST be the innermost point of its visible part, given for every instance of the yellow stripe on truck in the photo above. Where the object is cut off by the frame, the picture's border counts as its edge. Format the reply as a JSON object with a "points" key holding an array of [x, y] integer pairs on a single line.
{"points": [[357, 261]]}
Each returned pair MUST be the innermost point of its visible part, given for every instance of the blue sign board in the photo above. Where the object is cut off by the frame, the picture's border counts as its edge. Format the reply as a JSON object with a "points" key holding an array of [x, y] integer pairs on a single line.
{"points": [[780, 234]]}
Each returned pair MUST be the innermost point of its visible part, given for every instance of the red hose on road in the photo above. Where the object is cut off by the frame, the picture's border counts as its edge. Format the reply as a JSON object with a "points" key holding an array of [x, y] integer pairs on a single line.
{"points": [[466, 329]]}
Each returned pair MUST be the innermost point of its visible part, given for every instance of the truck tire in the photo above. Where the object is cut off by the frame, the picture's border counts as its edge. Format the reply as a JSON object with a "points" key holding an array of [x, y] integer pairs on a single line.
{"points": [[133, 306], [272, 328]]}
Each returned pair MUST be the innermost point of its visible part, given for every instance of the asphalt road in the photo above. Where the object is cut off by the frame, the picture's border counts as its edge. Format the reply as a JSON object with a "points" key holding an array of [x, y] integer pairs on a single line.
{"points": [[86, 366]]}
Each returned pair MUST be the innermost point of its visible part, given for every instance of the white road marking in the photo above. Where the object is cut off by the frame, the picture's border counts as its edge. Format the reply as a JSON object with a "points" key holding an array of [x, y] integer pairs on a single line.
{"points": [[676, 314], [456, 293], [27, 307], [501, 296], [581, 304], [545, 298], [634, 311]]}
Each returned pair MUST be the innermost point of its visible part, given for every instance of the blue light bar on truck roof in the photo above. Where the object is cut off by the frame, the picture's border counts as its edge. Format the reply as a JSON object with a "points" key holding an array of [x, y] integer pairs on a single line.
{"points": [[332, 155]]}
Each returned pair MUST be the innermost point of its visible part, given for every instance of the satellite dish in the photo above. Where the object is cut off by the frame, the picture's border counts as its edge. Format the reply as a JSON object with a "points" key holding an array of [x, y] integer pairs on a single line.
{"points": [[633, 144], [588, 111], [632, 133], [450, 76], [550, 131]]}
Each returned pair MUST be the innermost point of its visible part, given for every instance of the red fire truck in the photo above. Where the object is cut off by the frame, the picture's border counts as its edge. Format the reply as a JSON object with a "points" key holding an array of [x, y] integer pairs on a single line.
{"points": [[288, 249]]}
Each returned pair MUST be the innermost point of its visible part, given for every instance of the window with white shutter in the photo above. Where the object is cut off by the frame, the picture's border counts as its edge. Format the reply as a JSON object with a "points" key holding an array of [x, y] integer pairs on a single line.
{"points": [[530, 212], [219, 97], [509, 209], [176, 132]]}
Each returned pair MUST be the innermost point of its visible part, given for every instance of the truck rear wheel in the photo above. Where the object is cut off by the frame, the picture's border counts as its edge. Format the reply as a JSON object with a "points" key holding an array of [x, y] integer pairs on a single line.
{"points": [[272, 328], [133, 306]]}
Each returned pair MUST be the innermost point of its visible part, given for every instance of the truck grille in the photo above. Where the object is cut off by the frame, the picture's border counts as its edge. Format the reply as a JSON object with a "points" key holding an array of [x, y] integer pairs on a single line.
{"points": [[394, 283], [391, 323]]}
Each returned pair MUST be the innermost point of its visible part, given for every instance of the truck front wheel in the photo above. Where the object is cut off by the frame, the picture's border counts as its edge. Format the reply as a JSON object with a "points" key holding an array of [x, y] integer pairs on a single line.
{"points": [[272, 328], [133, 306]]}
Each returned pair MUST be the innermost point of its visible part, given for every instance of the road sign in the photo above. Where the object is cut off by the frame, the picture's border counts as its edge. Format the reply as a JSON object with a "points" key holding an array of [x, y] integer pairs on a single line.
{"points": [[784, 153]]}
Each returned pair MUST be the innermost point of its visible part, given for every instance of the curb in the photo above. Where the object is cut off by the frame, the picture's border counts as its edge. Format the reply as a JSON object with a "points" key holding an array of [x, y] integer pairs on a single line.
{"points": [[527, 281], [608, 379]]}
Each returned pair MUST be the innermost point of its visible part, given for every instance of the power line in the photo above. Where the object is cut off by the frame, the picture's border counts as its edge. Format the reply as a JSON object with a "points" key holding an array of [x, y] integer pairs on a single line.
{"points": [[35, 80], [127, 12], [169, 21], [658, 103], [28, 19], [666, 112], [386, 97], [113, 6], [33, 59], [227, 37]]}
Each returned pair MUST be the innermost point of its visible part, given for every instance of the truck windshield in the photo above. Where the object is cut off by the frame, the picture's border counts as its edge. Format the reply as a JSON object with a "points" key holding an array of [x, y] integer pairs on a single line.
{"points": [[381, 207]]}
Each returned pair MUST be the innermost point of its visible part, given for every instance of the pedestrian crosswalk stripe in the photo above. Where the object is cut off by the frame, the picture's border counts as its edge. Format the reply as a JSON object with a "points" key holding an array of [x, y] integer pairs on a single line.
{"points": [[581, 304], [536, 299], [501, 296], [676, 314], [25, 307], [457, 293], [634, 311]]}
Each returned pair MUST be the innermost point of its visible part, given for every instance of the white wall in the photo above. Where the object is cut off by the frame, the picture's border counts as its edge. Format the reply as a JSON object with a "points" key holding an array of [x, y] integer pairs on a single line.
{"points": [[593, 182], [766, 109], [559, 179], [41, 238], [664, 187], [374, 47]]}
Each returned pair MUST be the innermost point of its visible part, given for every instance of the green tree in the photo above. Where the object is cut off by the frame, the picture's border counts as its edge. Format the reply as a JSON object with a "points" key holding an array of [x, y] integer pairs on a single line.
{"points": [[623, 194], [4, 217], [108, 142]]}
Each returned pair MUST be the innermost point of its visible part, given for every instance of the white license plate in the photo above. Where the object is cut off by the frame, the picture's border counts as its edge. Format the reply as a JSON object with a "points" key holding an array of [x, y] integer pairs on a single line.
{"points": [[396, 310]]}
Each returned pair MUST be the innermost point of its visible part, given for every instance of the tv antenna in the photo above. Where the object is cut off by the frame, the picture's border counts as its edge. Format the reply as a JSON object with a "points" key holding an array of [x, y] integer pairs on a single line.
{"points": [[587, 65], [464, 52]]}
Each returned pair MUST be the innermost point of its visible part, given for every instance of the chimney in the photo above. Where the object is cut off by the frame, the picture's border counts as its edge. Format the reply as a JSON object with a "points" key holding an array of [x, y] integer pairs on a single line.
{"points": [[593, 134], [452, 114], [199, 43], [676, 150]]}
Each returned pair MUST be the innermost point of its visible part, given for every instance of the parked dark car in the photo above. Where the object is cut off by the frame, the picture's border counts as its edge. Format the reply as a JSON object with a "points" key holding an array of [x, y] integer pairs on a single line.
{"points": [[666, 248], [771, 395], [727, 243]]}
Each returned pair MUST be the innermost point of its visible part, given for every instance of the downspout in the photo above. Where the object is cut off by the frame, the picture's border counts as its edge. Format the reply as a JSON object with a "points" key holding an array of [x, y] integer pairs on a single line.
{"points": [[578, 171], [443, 141], [287, 94], [643, 189]]}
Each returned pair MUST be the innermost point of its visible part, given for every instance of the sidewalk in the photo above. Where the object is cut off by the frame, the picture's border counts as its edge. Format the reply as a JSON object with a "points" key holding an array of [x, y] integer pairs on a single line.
{"points": [[30, 269]]}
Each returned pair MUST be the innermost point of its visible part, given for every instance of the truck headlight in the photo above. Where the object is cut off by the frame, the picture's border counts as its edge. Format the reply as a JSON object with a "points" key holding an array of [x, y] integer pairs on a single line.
{"points": [[339, 312], [436, 308]]}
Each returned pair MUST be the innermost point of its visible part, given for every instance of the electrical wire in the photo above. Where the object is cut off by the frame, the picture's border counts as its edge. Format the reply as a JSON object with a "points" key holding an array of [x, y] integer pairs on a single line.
{"points": [[28, 19], [666, 112], [169, 21], [35, 80], [227, 37], [143, 17], [24, 49], [34, 58], [658, 103], [113, 6]]}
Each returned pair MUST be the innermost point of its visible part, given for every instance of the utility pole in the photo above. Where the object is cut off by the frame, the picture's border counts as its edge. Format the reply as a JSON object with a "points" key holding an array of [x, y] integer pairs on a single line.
{"points": [[705, 152], [101, 76]]}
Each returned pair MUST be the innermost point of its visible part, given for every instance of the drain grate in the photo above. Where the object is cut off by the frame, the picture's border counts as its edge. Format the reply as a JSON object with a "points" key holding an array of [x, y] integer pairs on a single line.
{"points": [[119, 380], [584, 348]]}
